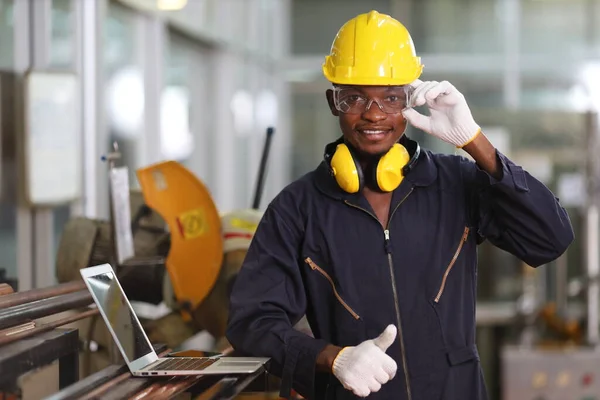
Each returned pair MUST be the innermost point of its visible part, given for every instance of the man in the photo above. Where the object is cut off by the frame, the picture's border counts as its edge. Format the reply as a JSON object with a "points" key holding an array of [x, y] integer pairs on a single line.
{"points": [[377, 245]]}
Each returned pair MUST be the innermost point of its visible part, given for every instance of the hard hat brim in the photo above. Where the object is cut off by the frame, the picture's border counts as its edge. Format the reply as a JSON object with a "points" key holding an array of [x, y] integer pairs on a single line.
{"points": [[405, 77]]}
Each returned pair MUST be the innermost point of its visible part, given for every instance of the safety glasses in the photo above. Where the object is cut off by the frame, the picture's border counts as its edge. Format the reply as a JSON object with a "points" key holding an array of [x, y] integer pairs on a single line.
{"points": [[353, 100]]}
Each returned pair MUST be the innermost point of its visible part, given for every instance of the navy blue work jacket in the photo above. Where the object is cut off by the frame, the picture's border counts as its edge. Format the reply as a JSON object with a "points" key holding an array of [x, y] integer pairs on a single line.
{"points": [[322, 252]]}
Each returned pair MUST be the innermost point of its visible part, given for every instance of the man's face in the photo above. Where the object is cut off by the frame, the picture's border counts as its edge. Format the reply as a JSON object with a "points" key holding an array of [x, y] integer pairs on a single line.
{"points": [[367, 127]]}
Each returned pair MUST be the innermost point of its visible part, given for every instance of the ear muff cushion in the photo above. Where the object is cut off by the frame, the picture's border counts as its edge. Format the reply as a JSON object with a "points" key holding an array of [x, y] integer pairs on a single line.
{"points": [[346, 170], [389, 168]]}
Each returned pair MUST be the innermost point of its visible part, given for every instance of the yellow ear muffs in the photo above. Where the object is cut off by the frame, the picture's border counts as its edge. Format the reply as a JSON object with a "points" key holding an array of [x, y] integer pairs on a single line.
{"points": [[389, 171], [346, 170]]}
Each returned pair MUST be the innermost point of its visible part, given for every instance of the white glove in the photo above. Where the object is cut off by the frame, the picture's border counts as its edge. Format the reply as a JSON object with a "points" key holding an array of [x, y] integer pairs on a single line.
{"points": [[450, 119], [364, 368]]}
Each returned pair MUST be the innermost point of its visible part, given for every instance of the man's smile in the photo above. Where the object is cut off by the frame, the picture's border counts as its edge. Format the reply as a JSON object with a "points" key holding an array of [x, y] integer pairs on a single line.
{"points": [[374, 133]]}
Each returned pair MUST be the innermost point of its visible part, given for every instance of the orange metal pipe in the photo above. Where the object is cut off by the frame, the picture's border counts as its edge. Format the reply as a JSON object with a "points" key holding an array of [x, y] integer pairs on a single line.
{"points": [[18, 298], [47, 327]]}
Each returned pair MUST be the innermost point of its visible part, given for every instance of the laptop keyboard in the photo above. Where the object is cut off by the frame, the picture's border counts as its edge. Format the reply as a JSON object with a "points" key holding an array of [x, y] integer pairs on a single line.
{"points": [[183, 364]]}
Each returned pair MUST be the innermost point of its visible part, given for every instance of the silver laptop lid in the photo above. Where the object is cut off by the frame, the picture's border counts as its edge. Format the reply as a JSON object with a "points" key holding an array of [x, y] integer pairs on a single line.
{"points": [[119, 316]]}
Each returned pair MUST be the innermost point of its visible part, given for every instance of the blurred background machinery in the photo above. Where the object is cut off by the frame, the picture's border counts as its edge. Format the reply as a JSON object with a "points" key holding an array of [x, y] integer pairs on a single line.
{"points": [[174, 251], [557, 354]]}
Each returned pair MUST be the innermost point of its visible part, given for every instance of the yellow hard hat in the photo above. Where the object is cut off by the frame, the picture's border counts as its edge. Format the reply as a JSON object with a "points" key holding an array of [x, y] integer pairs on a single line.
{"points": [[372, 49]]}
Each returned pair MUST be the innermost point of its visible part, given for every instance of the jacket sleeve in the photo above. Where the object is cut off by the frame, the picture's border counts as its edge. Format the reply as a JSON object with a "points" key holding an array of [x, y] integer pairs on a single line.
{"points": [[517, 212], [268, 299]]}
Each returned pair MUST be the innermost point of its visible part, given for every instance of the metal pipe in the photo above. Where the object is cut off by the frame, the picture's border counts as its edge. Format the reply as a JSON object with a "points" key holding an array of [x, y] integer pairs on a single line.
{"points": [[227, 388], [262, 171], [37, 309], [47, 327], [165, 390], [151, 390], [113, 382], [228, 351], [5, 289], [593, 269], [171, 389], [106, 386], [561, 284], [592, 256], [162, 390], [15, 299]]}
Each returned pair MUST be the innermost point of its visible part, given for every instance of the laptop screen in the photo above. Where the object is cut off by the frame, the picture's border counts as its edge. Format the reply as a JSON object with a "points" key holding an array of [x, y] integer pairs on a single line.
{"points": [[119, 315]]}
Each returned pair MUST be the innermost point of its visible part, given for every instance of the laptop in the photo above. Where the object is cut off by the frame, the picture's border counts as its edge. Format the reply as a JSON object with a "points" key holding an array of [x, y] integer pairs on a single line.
{"points": [[132, 341]]}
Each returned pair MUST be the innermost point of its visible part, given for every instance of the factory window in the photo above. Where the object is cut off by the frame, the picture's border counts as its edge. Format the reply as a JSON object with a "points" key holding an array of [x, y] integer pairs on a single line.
{"points": [[61, 55], [313, 127], [560, 28], [8, 185], [6, 34], [8, 245], [315, 22], [62, 44], [465, 27], [243, 106], [124, 90], [186, 106]]}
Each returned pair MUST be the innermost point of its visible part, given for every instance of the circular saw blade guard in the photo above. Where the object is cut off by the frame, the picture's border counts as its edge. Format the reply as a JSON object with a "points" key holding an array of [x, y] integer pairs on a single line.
{"points": [[184, 202]]}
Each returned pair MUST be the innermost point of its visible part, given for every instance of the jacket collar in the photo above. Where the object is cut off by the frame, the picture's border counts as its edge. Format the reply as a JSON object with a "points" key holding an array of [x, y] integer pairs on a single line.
{"points": [[422, 173]]}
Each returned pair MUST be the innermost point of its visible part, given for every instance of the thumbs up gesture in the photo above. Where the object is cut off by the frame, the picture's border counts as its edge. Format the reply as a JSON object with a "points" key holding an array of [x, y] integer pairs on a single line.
{"points": [[364, 368]]}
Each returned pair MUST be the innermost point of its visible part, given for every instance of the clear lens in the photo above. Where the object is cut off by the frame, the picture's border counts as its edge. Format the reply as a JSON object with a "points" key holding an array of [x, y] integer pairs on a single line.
{"points": [[353, 100]]}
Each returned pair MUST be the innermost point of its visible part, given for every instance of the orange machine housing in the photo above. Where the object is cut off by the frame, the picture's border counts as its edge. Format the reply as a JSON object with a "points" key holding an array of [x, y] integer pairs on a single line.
{"points": [[196, 252]]}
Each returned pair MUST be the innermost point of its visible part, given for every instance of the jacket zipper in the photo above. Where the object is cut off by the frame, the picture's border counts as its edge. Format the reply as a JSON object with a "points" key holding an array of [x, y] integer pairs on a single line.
{"points": [[452, 262], [394, 289], [315, 267]]}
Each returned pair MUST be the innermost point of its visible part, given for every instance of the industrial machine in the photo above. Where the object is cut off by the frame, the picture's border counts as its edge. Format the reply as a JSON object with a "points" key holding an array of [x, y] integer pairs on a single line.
{"points": [[169, 246], [558, 356]]}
